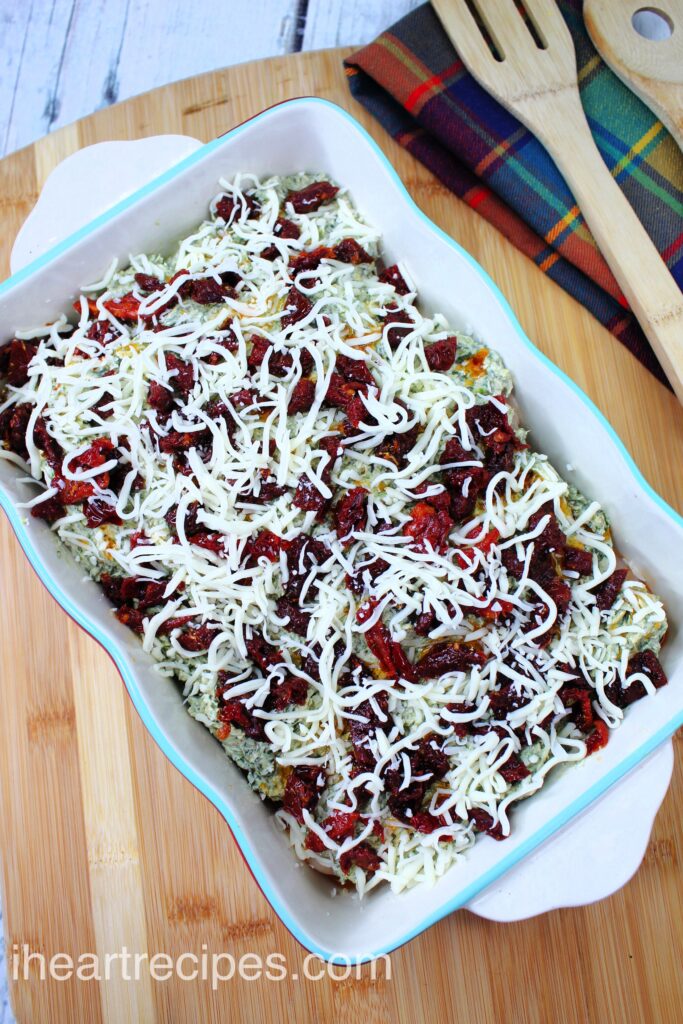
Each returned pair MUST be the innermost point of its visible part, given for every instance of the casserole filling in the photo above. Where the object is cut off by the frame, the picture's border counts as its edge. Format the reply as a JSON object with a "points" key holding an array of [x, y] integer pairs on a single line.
{"points": [[316, 506]]}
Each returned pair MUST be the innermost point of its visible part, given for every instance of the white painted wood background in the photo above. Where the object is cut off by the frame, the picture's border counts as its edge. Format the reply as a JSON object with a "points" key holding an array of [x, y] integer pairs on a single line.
{"points": [[63, 59]]}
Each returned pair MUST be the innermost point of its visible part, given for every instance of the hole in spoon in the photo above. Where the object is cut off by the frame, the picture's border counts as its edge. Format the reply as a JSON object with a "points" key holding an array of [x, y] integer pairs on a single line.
{"points": [[652, 23]]}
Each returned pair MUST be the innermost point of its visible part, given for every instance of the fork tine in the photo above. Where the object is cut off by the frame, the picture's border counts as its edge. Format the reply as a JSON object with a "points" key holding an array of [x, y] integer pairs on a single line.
{"points": [[505, 23], [464, 33], [549, 23]]}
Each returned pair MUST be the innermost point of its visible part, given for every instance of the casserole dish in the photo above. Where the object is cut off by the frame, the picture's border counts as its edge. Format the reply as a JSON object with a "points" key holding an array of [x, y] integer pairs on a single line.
{"points": [[313, 134]]}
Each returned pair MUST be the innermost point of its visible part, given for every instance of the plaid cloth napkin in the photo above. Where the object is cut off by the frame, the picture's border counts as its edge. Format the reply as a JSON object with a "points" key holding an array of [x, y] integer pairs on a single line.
{"points": [[413, 82]]}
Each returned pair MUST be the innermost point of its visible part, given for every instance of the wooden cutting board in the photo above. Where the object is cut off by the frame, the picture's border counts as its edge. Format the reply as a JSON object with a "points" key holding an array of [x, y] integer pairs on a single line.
{"points": [[105, 845]]}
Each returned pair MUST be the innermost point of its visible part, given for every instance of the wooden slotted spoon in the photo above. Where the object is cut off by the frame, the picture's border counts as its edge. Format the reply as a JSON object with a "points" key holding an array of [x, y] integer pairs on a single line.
{"points": [[653, 68], [533, 74]]}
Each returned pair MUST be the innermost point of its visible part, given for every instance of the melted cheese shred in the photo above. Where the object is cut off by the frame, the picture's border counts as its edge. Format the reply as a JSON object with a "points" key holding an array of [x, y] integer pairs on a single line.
{"points": [[86, 389]]}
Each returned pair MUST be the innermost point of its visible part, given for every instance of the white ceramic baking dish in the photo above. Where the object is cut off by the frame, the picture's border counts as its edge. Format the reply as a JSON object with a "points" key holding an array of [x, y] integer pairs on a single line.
{"points": [[316, 135]]}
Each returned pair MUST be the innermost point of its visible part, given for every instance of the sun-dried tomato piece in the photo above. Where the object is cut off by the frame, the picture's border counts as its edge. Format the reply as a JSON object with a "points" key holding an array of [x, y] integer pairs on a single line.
{"points": [[265, 544], [606, 594], [351, 513], [131, 617], [205, 291], [133, 590], [551, 537], [50, 510], [577, 560], [440, 355], [286, 228], [341, 825], [312, 197], [269, 489], [454, 451], [175, 622], [303, 790], [506, 699], [395, 447], [578, 700], [489, 424], [392, 275], [190, 522], [459, 729], [648, 663], [389, 653], [307, 496], [293, 690], [598, 738], [560, 592], [127, 307], [514, 770], [229, 343], [149, 592], [210, 540], [112, 586], [297, 619], [645, 662], [244, 398], [428, 764], [361, 856], [198, 638], [302, 553], [350, 251], [366, 610], [260, 348], [98, 511], [492, 431], [159, 396], [216, 410], [182, 374], [262, 653], [174, 441], [226, 207], [362, 731], [148, 283], [13, 427], [497, 609], [302, 397], [371, 571], [99, 452], [464, 487], [102, 331], [314, 842], [448, 656], [425, 622], [297, 306], [400, 326], [17, 356], [339, 392], [429, 528], [309, 260], [279, 363], [235, 712], [483, 822], [356, 370], [72, 492]]}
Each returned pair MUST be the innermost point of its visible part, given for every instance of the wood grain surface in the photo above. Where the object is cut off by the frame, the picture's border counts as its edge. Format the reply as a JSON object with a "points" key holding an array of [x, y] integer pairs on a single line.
{"points": [[105, 845]]}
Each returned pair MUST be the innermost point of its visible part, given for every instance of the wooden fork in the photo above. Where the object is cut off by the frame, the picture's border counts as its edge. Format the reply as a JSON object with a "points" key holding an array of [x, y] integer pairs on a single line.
{"points": [[533, 74]]}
